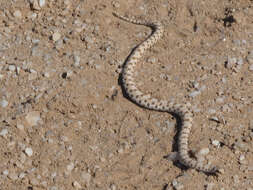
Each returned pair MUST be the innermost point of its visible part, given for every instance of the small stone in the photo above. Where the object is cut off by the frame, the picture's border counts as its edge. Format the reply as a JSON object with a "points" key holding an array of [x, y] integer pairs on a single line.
{"points": [[240, 61], [4, 132], [216, 143], [242, 157], [176, 185], [204, 151], [12, 67], [115, 4], [76, 185], [34, 182], [231, 62], [5, 172], [4, 103], [20, 126], [42, 3], [56, 36], [21, 175], [29, 151], [212, 111], [32, 118], [236, 179], [194, 94], [70, 167], [219, 100], [17, 14], [152, 60]]}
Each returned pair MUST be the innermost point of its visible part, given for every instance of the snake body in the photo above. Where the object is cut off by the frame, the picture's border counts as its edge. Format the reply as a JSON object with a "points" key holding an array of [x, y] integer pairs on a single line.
{"points": [[146, 101]]}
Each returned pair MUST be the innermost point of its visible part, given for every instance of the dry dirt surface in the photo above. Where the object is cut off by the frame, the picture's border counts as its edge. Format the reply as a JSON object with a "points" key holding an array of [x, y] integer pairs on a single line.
{"points": [[66, 124]]}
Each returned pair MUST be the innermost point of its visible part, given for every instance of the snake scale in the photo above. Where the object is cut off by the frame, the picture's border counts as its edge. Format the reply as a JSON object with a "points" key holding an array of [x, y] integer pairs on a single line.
{"points": [[146, 101]]}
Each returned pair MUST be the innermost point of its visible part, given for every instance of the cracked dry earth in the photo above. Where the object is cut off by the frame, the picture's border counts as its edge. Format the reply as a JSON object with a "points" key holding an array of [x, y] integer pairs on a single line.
{"points": [[65, 123]]}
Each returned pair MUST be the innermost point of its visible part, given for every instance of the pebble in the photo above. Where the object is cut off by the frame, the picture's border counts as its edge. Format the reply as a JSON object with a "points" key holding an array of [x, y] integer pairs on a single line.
{"points": [[176, 185], [4, 103], [12, 67], [29, 151], [70, 166], [236, 179], [17, 14], [231, 61], [194, 94], [204, 151], [3, 132], [216, 143], [32, 118], [76, 185], [42, 3], [5, 172], [56, 36]]}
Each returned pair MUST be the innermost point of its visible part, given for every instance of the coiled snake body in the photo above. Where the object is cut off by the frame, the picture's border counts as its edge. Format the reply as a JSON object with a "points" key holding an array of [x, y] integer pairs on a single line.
{"points": [[146, 101]]}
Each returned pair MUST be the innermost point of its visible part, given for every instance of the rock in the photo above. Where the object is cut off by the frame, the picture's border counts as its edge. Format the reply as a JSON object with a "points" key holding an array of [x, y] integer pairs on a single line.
{"points": [[4, 132], [76, 185], [4, 103], [17, 14], [70, 167], [56, 36], [204, 151], [29, 151], [216, 143], [32, 118], [42, 3]]}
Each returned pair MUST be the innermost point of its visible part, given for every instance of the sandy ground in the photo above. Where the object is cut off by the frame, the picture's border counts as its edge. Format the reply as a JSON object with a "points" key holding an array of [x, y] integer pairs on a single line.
{"points": [[65, 124]]}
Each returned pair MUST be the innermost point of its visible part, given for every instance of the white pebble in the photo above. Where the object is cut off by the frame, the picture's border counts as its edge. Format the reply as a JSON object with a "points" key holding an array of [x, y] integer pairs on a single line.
{"points": [[56, 36], [29, 152], [194, 94], [17, 14], [242, 157], [5, 172], [32, 118], [20, 126], [42, 3], [70, 167], [12, 68], [4, 103], [231, 62], [77, 185], [4, 132], [21, 175], [216, 143], [204, 151]]}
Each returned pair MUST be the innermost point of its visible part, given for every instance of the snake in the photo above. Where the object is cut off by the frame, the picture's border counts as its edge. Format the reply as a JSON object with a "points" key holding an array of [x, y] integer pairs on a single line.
{"points": [[147, 101]]}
